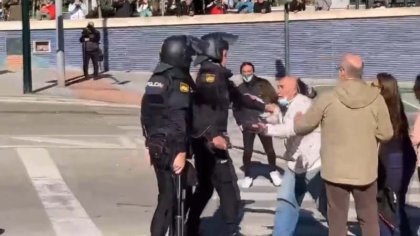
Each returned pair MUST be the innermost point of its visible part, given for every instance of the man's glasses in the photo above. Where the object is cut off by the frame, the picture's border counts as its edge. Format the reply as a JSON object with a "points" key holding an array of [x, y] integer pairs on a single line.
{"points": [[339, 67], [373, 84]]}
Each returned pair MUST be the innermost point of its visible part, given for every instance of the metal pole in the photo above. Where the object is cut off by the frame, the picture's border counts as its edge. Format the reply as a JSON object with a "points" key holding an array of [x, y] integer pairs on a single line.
{"points": [[26, 48], [60, 43], [286, 39]]}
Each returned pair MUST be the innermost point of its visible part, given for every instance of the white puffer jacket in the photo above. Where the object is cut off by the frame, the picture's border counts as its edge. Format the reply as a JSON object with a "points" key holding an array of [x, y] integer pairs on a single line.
{"points": [[302, 152]]}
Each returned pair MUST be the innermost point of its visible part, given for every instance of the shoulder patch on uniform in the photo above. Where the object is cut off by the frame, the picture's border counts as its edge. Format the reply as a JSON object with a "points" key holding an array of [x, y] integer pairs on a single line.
{"points": [[183, 87], [155, 84], [210, 78]]}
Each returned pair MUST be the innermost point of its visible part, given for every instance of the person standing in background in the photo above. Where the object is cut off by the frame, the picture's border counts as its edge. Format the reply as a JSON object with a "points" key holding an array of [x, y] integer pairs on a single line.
{"points": [[262, 89], [90, 39]]}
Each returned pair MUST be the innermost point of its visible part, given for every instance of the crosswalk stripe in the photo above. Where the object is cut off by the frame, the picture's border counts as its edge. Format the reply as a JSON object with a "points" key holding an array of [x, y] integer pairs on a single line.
{"points": [[412, 197], [127, 142], [61, 141], [130, 127], [259, 182], [65, 212]]}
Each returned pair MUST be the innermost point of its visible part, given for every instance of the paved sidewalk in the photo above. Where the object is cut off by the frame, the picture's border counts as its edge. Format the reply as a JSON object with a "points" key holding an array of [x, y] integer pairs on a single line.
{"points": [[121, 87], [114, 87]]}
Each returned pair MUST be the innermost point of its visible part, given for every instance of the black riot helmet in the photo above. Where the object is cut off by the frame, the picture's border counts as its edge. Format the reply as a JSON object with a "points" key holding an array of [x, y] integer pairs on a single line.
{"points": [[177, 50], [218, 41]]}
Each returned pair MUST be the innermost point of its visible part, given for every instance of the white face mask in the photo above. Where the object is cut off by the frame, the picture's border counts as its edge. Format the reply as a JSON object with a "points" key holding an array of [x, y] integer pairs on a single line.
{"points": [[283, 102], [247, 78]]}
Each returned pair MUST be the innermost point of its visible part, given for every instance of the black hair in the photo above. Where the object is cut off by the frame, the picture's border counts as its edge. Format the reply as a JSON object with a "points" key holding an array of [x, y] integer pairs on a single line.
{"points": [[246, 63], [305, 89], [416, 87]]}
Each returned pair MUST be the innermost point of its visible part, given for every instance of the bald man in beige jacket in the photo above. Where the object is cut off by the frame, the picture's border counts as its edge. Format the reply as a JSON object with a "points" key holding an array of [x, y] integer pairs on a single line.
{"points": [[354, 119]]}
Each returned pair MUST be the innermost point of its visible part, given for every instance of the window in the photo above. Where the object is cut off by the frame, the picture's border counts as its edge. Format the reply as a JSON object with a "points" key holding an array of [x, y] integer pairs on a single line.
{"points": [[42, 46]]}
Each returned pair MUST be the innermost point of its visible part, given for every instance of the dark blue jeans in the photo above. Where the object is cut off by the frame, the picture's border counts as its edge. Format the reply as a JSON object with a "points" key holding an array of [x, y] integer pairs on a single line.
{"points": [[396, 173]]}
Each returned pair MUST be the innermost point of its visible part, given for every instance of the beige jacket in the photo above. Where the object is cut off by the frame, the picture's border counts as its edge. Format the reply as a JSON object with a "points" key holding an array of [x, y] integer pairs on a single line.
{"points": [[353, 118]]}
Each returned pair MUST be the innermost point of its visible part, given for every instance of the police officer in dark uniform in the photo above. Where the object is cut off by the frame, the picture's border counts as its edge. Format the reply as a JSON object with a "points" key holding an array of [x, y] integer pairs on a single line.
{"points": [[166, 121], [213, 96]]}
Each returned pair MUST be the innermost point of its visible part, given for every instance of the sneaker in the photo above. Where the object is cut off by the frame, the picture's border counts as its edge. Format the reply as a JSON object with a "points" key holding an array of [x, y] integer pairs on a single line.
{"points": [[247, 182], [275, 177]]}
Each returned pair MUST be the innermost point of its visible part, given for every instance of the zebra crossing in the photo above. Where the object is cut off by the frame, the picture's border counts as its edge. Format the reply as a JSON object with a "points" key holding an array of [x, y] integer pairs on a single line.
{"points": [[61, 191], [260, 200], [260, 205]]}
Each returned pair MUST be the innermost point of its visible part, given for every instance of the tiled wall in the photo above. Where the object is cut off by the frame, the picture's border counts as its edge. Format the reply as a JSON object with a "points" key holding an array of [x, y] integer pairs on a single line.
{"points": [[386, 44]]}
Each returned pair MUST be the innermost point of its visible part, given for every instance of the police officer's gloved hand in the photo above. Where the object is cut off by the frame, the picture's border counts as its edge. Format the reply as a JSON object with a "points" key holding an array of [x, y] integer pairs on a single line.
{"points": [[236, 80]]}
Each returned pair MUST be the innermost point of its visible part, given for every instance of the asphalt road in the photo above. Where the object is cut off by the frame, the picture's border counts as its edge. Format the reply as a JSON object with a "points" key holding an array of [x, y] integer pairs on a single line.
{"points": [[71, 169]]}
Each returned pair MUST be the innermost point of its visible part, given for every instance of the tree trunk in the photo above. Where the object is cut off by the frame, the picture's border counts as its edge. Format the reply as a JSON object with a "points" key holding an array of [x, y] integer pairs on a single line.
{"points": [[33, 9], [99, 3]]}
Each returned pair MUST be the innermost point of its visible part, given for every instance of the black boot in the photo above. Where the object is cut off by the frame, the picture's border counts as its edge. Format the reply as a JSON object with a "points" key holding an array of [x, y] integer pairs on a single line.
{"points": [[233, 230]]}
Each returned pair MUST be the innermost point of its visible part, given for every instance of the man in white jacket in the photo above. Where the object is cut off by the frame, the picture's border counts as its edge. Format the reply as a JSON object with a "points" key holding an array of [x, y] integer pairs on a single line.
{"points": [[78, 10], [303, 159]]}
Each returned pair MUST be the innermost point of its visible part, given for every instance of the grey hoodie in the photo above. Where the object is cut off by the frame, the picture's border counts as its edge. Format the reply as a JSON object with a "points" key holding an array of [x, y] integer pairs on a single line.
{"points": [[354, 118]]}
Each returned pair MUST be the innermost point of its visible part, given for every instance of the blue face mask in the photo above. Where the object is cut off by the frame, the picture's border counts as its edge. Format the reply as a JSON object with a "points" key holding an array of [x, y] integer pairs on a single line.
{"points": [[247, 78], [283, 102]]}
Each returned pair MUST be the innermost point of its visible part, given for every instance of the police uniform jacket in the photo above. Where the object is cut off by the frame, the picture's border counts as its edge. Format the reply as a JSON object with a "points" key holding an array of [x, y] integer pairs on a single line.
{"points": [[166, 107], [214, 93]]}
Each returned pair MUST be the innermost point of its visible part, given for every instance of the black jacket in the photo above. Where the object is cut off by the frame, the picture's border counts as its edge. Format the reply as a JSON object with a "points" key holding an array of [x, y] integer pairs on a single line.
{"points": [[296, 6], [123, 8], [166, 107], [263, 7], [258, 87], [94, 37], [213, 96], [187, 9]]}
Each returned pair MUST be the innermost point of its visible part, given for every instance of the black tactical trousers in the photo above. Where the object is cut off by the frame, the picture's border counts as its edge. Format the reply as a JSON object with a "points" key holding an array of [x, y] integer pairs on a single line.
{"points": [[166, 210], [214, 171], [94, 56], [164, 213]]}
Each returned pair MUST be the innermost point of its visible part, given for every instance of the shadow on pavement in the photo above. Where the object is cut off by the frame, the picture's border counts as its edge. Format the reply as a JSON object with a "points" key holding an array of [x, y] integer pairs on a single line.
{"points": [[307, 218], [53, 83], [261, 169], [80, 79], [213, 225], [2, 72]]}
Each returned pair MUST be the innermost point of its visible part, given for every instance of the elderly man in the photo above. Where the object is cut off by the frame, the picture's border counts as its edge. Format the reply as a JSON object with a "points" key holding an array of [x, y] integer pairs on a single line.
{"points": [[303, 160], [353, 118]]}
